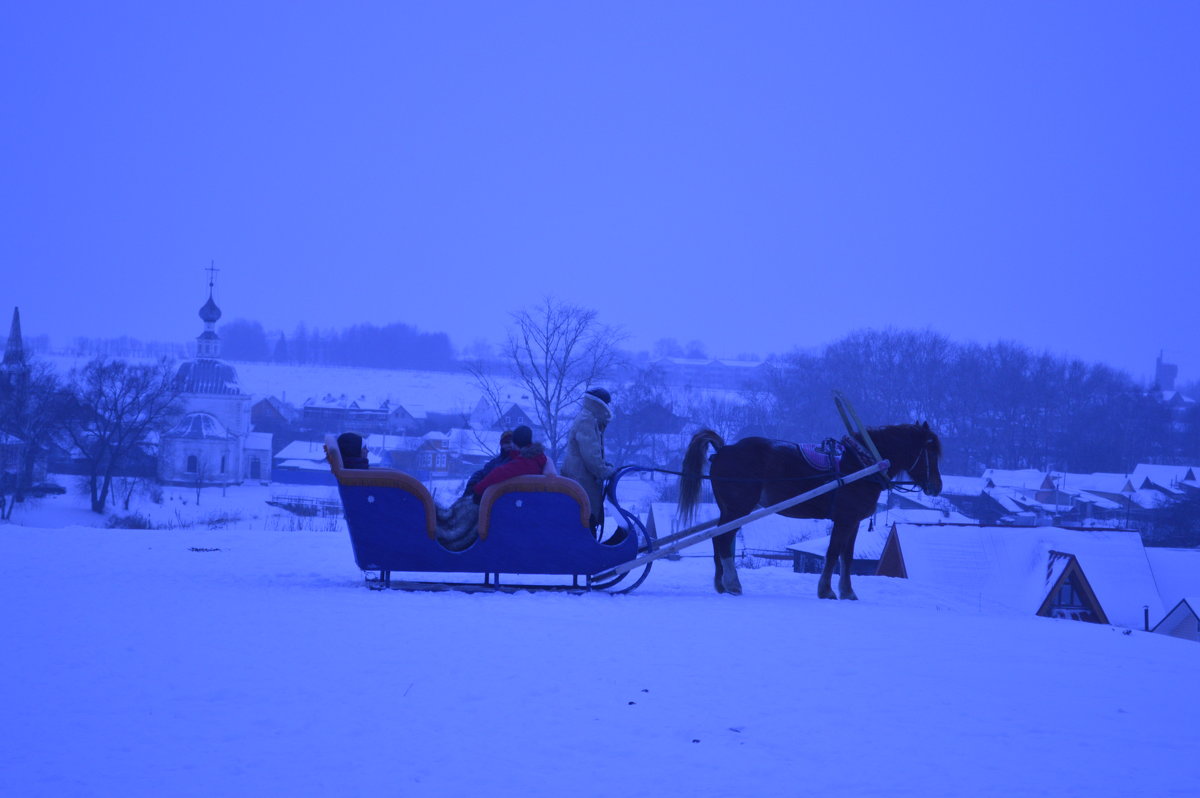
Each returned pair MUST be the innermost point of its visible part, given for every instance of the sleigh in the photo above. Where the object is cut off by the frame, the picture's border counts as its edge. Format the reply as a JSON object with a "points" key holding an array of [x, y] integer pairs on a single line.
{"points": [[528, 525]]}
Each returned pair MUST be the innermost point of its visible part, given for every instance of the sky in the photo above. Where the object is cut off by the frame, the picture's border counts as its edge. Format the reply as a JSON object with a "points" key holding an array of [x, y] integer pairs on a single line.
{"points": [[755, 176]]}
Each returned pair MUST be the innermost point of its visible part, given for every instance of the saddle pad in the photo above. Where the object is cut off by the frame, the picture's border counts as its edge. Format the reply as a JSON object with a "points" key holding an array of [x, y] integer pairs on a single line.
{"points": [[819, 459]]}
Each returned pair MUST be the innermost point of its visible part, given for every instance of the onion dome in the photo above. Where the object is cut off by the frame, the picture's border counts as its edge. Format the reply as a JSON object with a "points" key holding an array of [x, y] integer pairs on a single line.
{"points": [[210, 313]]}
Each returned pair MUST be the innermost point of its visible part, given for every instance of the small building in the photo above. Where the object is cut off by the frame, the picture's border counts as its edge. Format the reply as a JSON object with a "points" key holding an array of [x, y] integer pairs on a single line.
{"points": [[1099, 575], [335, 414], [808, 556], [1183, 621]]}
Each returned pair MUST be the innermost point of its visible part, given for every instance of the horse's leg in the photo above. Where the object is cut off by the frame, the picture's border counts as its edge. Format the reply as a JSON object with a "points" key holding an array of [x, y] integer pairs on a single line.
{"points": [[824, 586], [726, 577], [844, 588], [718, 584], [734, 500]]}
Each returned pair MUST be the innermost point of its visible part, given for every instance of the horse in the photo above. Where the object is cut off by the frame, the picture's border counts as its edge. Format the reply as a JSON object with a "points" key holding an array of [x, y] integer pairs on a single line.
{"points": [[758, 472]]}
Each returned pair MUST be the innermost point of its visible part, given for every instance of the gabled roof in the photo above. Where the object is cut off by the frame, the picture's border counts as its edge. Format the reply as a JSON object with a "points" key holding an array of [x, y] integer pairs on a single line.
{"points": [[1016, 478], [1164, 476], [1187, 609], [1007, 567]]}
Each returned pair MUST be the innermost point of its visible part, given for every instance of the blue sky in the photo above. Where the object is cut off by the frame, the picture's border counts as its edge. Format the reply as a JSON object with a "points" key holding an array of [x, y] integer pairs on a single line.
{"points": [[757, 176]]}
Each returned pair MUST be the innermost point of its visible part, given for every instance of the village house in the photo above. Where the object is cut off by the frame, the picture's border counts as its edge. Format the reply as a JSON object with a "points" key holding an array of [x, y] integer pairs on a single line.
{"points": [[1098, 575]]}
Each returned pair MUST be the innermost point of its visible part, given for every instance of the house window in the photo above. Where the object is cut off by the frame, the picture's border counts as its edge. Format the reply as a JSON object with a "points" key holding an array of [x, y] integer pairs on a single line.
{"points": [[441, 460], [1068, 596], [222, 464], [426, 459], [193, 465]]}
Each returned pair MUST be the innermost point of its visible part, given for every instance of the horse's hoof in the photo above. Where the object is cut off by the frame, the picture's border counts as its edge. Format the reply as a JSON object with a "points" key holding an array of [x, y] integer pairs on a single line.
{"points": [[719, 587], [849, 596], [826, 594]]}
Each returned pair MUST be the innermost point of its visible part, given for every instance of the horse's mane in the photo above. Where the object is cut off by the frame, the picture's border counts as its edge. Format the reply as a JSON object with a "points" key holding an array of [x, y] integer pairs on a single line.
{"points": [[918, 432]]}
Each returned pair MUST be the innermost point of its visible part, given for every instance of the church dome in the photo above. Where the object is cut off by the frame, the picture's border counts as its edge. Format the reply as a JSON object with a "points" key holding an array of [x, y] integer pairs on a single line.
{"points": [[199, 426], [210, 313]]}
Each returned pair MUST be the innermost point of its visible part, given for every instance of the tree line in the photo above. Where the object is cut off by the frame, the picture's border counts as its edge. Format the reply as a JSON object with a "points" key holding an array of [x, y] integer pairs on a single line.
{"points": [[998, 405], [392, 346]]}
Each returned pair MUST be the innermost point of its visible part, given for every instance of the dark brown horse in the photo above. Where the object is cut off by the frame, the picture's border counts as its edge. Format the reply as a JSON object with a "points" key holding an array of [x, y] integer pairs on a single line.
{"points": [[758, 472]]}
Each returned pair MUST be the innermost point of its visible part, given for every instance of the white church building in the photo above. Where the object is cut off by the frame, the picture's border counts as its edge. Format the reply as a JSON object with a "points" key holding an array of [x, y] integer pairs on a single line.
{"points": [[212, 444]]}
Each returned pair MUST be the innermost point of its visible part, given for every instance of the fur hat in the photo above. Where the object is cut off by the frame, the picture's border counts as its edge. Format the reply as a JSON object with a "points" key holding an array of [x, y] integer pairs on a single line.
{"points": [[522, 436], [601, 394]]}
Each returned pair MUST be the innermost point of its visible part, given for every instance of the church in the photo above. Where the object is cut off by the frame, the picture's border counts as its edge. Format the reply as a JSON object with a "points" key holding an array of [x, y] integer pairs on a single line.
{"points": [[212, 443]]}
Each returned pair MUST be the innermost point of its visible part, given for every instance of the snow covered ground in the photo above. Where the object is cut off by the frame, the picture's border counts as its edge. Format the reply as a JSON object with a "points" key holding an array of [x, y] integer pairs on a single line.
{"points": [[252, 661]]}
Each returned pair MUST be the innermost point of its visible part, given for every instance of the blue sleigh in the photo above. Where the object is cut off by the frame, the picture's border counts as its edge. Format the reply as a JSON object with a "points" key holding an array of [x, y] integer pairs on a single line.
{"points": [[527, 525]]}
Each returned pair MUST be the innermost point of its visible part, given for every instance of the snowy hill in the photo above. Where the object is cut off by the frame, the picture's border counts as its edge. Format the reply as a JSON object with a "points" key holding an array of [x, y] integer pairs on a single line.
{"points": [[197, 662]]}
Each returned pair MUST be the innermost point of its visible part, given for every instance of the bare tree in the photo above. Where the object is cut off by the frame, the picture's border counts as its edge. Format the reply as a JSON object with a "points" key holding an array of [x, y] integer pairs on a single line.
{"points": [[556, 351], [33, 405], [117, 404]]}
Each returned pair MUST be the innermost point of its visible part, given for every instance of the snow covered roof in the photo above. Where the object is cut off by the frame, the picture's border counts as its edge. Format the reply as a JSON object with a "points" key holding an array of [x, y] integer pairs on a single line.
{"points": [[867, 546], [1098, 482], [208, 376], [302, 450], [1176, 572], [1015, 478], [303, 465], [1164, 476], [259, 440], [962, 486], [1011, 567]]}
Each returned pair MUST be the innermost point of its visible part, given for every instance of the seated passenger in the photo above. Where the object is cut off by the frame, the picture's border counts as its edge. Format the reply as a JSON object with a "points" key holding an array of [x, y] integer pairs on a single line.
{"points": [[507, 452], [528, 458], [354, 454], [458, 524]]}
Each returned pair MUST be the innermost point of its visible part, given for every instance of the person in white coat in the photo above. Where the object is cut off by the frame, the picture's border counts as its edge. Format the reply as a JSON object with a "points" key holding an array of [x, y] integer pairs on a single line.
{"points": [[584, 461]]}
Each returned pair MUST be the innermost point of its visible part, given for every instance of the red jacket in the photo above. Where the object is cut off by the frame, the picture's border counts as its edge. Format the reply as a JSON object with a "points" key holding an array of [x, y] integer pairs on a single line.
{"points": [[530, 460]]}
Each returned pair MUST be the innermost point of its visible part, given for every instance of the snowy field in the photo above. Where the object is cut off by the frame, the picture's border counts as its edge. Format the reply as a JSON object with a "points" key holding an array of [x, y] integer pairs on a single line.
{"points": [[238, 661]]}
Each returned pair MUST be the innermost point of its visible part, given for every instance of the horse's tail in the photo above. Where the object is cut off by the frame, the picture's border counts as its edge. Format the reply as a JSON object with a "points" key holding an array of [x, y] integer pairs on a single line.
{"points": [[693, 470]]}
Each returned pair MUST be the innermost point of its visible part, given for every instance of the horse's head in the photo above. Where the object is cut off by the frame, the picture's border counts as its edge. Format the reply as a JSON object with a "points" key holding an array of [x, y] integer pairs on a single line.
{"points": [[924, 469]]}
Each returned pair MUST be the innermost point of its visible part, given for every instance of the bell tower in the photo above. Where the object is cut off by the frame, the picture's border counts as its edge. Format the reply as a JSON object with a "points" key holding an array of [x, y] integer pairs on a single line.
{"points": [[208, 344]]}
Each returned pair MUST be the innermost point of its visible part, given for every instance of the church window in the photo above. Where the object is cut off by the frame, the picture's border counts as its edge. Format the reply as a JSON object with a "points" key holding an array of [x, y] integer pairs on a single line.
{"points": [[193, 465]]}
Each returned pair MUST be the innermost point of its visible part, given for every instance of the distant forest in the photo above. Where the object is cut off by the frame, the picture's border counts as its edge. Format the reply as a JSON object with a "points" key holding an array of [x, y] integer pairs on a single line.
{"points": [[392, 346], [998, 405]]}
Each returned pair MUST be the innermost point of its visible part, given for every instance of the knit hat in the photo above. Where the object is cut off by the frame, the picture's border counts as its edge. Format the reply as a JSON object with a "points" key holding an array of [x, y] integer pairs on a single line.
{"points": [[601, 394], [522, 436], [506, 437], [350, 445]]}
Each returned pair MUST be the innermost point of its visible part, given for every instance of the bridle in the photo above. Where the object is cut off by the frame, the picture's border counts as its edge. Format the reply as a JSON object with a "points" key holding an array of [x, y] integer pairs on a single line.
{"points": [[921, 455]]}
